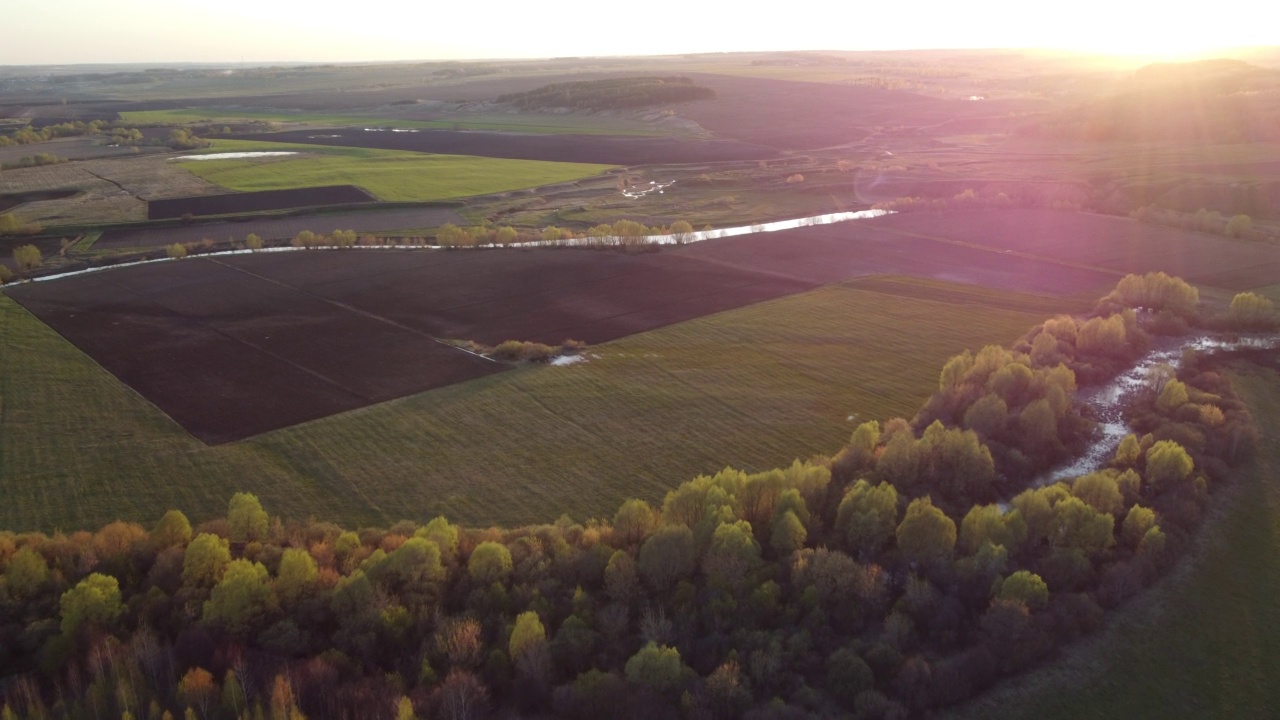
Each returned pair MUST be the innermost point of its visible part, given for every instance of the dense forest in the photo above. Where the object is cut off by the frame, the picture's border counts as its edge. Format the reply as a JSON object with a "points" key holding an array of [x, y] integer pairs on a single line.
{"points": [[913, 568], [611, 94]]}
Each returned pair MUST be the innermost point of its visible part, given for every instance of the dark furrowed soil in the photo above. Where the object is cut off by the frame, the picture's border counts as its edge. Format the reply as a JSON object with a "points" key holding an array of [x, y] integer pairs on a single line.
{"points": [[1114, 243], [237, 345], [228, 355], [13, 200], [604, 149], [259, 201], [280, 227]]}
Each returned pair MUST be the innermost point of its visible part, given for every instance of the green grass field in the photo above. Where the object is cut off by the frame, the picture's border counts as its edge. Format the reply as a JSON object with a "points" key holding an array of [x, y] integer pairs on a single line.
{"points": [[388, 174], [539, 124], [1204, 643], [754, 387]]}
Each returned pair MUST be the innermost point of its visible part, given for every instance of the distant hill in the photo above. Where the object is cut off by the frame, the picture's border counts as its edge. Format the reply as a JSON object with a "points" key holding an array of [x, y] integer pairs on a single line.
{"points": [[610, 94], [1208, 101]]}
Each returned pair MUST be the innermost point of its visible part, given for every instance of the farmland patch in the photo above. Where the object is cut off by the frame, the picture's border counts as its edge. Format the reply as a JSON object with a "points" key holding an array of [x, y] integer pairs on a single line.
{"points": [[279, 227], [601, 149], [261, 201]]}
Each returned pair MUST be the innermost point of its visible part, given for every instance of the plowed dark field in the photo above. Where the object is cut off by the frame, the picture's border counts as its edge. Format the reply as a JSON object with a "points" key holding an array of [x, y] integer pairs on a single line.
{"points": [[260, 201], [605, 149], [237, 345], [1114, 243], [278, 228]]}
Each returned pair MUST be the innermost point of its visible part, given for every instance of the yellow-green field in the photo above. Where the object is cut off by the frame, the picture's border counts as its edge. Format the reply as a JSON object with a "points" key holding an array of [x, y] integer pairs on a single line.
{"points": [[754, 387], [388, 174]]}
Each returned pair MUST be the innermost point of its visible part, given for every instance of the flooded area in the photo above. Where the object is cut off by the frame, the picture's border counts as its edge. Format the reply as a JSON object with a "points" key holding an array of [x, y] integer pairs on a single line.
{"points": [[236, 155], [1108, 401]]}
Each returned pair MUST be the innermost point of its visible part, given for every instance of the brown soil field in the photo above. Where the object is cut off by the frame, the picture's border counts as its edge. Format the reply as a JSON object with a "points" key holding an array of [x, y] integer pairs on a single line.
{"points": [[228, 355], [107, 190], [803, 115], [604, 149], [13, 200], [279, 227], [237, 345], [94, 200], [73, 148], [260, 201], [151, 178], [1114, 243]]}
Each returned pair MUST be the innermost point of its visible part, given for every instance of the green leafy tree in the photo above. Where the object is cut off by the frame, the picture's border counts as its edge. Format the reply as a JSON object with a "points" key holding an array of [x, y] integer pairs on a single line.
{"points": [[1172, 396], [297, 575], [1167, 462], [732, 555], [1239, 226], [620, 578], [1129, 452], [1079, 526], [867, 516], [1100, 490], [681, 231], [926, 534], [848, 676], [175, 251], [633, 522], [527, 635], [1025, 587], [667, 556], [241, 599], [788, 534], [95, 600], [246, 520], [989, 524], [27, 573], [27, 258], [443, 534], [659, 668], [490, 562], [205, 560], [173, 529], [253, 242], [1136, 524]]}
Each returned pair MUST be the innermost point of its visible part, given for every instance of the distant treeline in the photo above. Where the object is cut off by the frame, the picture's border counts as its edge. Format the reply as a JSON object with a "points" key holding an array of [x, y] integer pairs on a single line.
{"points": [[908, 572], [612, 94]]}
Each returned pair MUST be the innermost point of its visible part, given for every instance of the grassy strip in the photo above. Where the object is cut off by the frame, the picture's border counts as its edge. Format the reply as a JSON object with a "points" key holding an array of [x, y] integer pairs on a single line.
{"points": [[755, 387], [388, 174], [85, 242], [1206, 642], [548, 125]]}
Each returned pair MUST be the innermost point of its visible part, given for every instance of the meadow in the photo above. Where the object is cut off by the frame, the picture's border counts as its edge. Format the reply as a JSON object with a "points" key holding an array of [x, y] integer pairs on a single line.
{"points": [[753, 387], [537, 124], [389, 175], [1204, 642]]}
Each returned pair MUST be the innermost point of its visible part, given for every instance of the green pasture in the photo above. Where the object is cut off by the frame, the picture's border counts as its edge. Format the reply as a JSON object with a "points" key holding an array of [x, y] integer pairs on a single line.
{"points": [[536, 124], [390, 175], [754, 387], [1205, 642]]}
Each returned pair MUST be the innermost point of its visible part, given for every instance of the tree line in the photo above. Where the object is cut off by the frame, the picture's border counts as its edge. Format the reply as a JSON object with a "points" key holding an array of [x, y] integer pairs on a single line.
{"points": [[905, 573]]}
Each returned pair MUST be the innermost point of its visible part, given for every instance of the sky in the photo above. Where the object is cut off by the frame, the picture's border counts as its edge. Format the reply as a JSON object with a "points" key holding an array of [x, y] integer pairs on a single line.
{"points": [[42, 32]]}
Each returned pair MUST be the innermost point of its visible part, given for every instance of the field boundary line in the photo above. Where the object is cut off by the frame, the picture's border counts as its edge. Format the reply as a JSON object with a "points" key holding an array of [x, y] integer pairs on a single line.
{"points": [[349, 308], [997, 251]]}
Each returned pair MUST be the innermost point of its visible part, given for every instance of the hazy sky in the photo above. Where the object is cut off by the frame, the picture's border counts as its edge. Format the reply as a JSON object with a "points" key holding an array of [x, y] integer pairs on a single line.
{"points": [[155, 31]]}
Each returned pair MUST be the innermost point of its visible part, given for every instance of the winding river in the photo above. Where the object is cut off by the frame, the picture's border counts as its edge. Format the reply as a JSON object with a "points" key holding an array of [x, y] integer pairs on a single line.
{"points": [[1108, 401]]}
